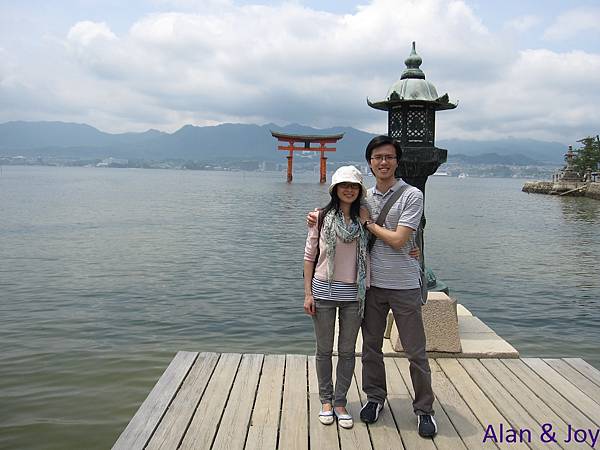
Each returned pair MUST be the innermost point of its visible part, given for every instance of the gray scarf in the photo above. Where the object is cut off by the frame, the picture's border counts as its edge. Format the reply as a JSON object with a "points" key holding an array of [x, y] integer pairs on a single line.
{"points": [[334, 226]]}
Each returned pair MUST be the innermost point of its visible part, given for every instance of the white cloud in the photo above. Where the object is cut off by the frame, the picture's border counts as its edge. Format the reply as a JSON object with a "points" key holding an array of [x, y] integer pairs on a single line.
{"points": [[202, 5], [96, 46], [523, 23], [574, 22], [542, 94], [278, 63], [290, 63], [8, 69], [87, 32]]}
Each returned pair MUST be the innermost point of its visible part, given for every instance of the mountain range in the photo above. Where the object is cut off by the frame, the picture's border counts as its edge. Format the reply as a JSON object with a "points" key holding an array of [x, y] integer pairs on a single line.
{"points": [[238, 141]]}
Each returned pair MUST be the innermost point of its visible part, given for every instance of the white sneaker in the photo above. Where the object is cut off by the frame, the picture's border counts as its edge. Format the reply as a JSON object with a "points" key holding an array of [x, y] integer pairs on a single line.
{"points": [[344, 420], [326, 417]]}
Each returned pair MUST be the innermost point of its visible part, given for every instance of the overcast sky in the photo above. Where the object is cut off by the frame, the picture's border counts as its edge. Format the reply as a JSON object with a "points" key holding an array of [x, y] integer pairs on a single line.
{"points": [[517, 68]]}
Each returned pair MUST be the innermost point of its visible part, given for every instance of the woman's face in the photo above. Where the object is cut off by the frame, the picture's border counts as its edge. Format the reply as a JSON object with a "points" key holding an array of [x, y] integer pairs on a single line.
{"points": [[347, 192]]}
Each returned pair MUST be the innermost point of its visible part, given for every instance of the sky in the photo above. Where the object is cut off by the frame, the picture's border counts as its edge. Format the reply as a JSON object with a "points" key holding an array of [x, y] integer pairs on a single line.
{"points": [[523, 69]]}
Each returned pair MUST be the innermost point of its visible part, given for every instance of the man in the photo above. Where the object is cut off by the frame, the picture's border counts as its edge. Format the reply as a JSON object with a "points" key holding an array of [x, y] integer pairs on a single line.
{"points": [[395, 284]]}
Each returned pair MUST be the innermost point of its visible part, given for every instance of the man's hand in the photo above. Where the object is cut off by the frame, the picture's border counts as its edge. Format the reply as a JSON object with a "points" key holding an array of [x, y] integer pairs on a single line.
{"points": [[312, 218], [309, 305], [415, 252], [364, 214]]}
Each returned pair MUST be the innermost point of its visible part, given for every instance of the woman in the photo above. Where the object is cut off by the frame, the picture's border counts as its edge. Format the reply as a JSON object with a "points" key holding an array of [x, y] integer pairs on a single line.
{"points": [[336, 276]]}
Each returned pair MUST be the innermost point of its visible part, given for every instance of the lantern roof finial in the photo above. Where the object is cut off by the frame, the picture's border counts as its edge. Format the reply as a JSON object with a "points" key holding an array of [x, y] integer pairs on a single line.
{"points": [[413, 62], [412, 87]]}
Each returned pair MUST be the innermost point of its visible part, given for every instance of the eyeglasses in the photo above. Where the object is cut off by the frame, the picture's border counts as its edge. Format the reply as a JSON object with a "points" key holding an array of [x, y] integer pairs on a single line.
{"points": [[380, 158], [349, 185]]}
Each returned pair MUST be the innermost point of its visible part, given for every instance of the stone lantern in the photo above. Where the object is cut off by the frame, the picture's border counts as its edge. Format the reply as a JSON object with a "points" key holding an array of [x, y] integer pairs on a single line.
{"points": [[569, 172], [411, 104]]}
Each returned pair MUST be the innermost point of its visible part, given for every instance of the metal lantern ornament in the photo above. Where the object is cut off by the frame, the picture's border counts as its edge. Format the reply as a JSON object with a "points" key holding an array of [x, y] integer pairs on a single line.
{"points": [[411, 104]]}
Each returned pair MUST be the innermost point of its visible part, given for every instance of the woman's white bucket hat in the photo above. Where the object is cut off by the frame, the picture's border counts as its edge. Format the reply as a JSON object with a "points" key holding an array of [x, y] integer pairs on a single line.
{"points": [[348, 174]]}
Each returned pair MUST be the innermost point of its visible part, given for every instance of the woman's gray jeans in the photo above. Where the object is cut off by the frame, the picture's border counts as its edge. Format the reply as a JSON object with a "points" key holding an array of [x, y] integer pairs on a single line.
{"points": [[324, 323]]}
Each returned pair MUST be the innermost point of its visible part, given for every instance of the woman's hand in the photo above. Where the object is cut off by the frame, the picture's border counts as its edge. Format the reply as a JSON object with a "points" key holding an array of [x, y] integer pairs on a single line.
{"points": [[364, 214], [312, 218], [309, 305]]}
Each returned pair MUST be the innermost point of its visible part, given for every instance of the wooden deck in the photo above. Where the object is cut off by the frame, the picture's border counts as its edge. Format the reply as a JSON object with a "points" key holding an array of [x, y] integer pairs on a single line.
{"points": [[233, 401]]}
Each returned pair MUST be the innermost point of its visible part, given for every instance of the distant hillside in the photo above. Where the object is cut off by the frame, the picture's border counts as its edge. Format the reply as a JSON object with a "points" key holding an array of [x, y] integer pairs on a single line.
{"points": [[541, 151], [228, 141], [494, 158]]}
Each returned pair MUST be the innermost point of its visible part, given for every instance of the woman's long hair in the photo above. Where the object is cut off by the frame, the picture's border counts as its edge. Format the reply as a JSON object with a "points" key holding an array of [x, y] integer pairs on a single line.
{"points": [[334, 204]]}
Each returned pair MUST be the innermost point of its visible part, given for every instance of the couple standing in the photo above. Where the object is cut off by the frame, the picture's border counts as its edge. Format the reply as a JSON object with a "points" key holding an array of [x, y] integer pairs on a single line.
{"points": [[337, 272]]}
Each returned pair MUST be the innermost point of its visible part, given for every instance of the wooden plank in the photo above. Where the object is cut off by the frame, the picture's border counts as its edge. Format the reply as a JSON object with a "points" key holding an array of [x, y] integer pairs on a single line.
{"points": [[447, 437], [561, 406], [384, 433], [358, 436], [481, 406], [205, 422], [581, 401], [293, 433], [321, 436], [401, 405], [144, 422], [589, 388], [264, 423], [236, 418], [516, 415], [171, 428], [585, 368], [464, 421], [534, 405]]}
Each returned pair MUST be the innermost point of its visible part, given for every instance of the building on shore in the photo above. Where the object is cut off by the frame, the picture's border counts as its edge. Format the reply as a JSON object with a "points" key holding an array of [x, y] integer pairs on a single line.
{"points": [[568, 181]]}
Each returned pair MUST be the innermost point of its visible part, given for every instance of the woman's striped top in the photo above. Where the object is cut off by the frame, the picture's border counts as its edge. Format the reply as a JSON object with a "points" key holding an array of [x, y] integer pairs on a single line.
{"points": [[337, 291]]}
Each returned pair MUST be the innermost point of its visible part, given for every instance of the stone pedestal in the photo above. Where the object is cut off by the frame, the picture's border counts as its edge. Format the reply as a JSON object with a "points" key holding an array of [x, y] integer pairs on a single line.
{"points": [[593, 191], [441, 325]]}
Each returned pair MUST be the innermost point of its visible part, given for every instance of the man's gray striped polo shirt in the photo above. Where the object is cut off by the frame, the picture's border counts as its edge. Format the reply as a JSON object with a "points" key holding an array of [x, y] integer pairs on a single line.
{"points": [[395, 269]]}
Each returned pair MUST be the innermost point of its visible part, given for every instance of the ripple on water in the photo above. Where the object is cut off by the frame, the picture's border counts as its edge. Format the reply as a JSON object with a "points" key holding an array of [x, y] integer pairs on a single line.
{"points": [[102, 280]]}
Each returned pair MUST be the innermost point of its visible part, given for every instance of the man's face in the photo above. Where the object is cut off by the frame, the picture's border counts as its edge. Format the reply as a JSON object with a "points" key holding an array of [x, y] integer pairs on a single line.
{"points": [[383, 162]]}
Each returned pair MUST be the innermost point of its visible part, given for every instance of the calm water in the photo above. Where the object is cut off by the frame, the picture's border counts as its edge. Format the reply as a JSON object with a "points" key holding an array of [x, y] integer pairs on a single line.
{"points": [[105, 274]]}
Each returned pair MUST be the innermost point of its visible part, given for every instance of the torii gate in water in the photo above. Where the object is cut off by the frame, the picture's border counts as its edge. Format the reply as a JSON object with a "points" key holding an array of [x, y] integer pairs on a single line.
{"points": [[291, 139]]}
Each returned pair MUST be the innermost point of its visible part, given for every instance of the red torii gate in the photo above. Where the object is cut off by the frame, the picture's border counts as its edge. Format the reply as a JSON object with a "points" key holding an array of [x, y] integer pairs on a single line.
{"points": [[291, 139]]}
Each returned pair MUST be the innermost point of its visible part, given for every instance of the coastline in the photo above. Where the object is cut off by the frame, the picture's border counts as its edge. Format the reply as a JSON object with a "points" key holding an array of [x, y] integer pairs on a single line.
{"points": [[570, 188]]}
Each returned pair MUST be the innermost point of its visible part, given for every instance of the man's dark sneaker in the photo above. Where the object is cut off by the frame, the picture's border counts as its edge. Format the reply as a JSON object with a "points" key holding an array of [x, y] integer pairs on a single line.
{"points": [[370, 412], [427, 425]]}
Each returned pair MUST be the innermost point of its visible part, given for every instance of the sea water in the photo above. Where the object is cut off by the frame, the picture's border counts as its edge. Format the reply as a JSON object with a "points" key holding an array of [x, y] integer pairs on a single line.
{"points": [[106, 273]]}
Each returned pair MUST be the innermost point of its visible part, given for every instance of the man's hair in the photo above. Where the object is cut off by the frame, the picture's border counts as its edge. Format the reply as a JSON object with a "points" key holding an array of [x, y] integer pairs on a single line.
{"points": [[378, 141]]}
